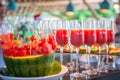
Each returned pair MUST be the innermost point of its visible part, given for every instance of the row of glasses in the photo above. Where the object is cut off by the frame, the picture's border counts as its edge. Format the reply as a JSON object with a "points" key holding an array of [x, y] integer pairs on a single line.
{"points": [[73, 34], [86, 32], [105, 36], [69, 32]]}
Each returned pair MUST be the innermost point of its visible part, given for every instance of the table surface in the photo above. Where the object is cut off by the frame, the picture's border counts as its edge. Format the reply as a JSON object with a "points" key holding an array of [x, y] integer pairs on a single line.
{"points": [[66, 60]]}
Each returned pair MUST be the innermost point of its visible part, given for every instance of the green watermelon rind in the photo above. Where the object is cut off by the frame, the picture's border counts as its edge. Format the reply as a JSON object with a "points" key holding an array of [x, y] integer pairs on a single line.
{"points": [[35, 66]]}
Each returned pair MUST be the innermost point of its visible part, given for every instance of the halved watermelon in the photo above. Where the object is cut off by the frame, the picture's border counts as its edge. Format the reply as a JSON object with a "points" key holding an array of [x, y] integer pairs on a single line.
{"points": [[29, 66]]}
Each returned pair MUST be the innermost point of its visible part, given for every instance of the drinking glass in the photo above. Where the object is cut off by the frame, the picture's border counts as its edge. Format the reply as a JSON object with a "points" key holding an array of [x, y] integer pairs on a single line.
{"points": [[89, 40], [76, 38], [45, 27], [110, 39], [61, 36], [101, 39]]}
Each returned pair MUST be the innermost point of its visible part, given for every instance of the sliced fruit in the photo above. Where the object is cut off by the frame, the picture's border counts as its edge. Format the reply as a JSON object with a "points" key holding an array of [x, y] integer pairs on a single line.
{"points": [[16, 42], [42, 41], [32, 38], [51, 40], [10, 36], [46, 48], [21, 52]]}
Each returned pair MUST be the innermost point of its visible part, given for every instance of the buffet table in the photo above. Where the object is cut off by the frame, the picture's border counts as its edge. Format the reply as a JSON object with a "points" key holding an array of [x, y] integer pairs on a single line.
{"points": [[111, 75]]}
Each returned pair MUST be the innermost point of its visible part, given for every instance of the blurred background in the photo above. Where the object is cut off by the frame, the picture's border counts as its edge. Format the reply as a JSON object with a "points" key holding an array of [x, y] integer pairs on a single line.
{"points": [[62, 9]]}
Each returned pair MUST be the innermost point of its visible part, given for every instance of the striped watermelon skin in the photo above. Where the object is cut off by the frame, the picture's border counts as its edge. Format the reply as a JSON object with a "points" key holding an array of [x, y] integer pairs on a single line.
{"points": [[35, 66]]}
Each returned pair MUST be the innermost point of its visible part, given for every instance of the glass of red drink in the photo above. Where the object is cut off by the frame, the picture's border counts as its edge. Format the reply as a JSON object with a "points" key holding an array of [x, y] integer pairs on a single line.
{"points": [[89, 40], [101, 39], [76, 38], [62, 36], [110, 39]]}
